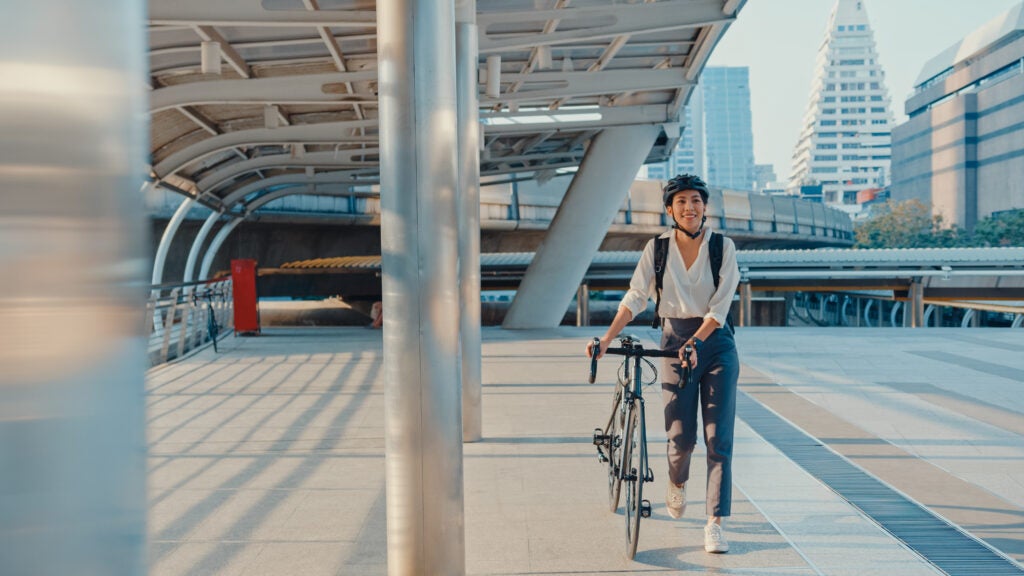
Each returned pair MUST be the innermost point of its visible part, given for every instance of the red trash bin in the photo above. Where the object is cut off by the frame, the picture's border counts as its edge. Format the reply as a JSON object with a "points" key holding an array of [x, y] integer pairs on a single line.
{"points": [[243, 280]]}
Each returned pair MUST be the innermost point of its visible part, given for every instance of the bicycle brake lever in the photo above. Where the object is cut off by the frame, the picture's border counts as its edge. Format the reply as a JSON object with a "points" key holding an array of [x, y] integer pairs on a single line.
{"points": [[595, 349]]}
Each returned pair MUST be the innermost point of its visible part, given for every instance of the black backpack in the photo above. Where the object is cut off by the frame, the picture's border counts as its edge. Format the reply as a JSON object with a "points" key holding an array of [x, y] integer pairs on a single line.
{"points": [[715, 250]]}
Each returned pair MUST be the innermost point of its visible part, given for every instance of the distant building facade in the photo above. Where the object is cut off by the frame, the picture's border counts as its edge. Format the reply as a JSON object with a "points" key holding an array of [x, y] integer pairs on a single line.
{"points": [[845, 143], [764, 177], [717, 141], [962, 148], [728, 129]]}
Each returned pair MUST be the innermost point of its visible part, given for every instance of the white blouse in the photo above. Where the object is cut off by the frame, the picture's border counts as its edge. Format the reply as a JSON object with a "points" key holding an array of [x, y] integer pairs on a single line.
{"points": [[685, 293]]}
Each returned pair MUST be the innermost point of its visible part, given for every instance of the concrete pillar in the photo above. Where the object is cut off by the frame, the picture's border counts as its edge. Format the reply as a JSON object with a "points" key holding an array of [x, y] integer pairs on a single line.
{"points": [[579, 226], [419, 249], [746, 304], [72, 251], [583, 305], [466, 54]]}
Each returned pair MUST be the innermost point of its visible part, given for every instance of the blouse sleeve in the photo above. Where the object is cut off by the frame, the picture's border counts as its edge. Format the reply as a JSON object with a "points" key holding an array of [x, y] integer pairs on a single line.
{"points": [[721, 300], [641, 287]]}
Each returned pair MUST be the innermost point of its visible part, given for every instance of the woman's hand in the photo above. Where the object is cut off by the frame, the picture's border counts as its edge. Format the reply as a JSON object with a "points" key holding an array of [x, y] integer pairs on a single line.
{"points": [[604, 342], [690, 362]]}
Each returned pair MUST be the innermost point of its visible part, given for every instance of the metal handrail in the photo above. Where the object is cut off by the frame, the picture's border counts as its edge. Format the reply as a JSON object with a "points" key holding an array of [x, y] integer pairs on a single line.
{"points": [[176, 317]]}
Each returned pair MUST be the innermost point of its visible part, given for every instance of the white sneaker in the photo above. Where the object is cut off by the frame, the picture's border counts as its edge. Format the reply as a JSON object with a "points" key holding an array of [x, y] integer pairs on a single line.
{"points": [[714, 540], [675, 500]]}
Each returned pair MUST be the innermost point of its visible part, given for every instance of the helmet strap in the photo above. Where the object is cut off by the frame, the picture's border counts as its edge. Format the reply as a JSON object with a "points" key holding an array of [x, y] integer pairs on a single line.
{"points": [[694, 235]]}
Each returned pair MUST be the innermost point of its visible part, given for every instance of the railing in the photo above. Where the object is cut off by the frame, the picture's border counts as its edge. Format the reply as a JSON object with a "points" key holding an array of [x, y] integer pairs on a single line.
{"points": [[178, 318], [858, 309]]}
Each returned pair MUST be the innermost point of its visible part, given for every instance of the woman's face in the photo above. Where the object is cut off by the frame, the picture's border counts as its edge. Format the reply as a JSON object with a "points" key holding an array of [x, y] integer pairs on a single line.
{"points": [[687, 210]]}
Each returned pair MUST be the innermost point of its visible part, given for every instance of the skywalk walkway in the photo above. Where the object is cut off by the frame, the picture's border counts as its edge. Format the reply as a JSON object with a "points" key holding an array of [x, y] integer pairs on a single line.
{"points": [[268, 458]]}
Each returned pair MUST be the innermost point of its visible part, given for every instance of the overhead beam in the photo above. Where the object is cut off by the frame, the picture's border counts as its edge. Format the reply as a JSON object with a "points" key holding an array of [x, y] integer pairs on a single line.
{"points": [[252, 13], [210, 34], [339, 159], [307, 89], [623, 19], [328, 132], [555, 85]]}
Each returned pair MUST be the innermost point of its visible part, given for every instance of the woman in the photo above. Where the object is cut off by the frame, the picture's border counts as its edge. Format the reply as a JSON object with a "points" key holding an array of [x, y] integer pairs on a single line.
{"points": [[694, 309]]}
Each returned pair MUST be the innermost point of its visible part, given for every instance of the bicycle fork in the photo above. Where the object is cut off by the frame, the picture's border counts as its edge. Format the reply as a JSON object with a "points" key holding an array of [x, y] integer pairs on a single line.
{"points": [[648, 474]]}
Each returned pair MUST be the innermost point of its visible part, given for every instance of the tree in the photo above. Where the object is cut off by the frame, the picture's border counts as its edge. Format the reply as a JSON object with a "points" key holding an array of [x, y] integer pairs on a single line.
{"points": [[1005, 229], [908, 224]]}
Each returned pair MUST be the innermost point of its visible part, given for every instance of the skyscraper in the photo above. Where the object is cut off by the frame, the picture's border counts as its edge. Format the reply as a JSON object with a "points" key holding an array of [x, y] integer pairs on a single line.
{"points": [[717, 140], [688, 155], [728, 133], [845, 144]]}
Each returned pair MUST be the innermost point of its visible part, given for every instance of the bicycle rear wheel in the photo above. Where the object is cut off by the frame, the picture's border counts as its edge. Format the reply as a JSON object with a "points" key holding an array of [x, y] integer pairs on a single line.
{"points": [[633, 462], [612, 432]]}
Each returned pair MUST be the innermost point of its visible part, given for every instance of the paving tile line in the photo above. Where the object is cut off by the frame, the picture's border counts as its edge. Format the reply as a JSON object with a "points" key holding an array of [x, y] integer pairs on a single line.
{"points": [[864, 491]]}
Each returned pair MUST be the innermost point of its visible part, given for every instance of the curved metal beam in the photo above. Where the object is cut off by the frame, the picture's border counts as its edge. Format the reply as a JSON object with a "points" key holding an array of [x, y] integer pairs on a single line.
{"points": [[252, 13], [337, 159], [167, 238], [222, 234], [239, 193], [197, 244], [310, 89], [328, 132]]}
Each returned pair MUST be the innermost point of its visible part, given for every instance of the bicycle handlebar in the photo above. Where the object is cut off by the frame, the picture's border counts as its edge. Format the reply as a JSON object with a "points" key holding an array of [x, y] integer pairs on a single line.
{"points": [[642, 352]]}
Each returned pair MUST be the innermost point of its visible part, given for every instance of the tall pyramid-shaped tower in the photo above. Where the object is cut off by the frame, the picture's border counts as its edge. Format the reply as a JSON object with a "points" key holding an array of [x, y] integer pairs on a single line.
{"points": [[845, 144]]}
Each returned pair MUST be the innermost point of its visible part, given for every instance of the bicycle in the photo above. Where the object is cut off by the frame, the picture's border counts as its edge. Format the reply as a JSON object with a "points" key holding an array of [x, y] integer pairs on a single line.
{"points": [[212, 328], [622, 443]]}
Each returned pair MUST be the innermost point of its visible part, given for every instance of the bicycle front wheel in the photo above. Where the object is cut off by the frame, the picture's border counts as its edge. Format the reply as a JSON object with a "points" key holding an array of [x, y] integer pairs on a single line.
{"points": [[634, 464]]}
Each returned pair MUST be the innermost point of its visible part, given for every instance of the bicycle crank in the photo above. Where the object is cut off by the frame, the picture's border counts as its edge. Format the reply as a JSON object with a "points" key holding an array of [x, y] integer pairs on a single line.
{"points": [[645, 509]]}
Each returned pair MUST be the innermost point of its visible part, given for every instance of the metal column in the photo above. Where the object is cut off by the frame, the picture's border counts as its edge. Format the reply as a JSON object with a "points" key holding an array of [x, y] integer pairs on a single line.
{"points": [[419, 250], [72, 248], [466, 55], [583, 305], [916, 304], [576, 232], [746, 307]]}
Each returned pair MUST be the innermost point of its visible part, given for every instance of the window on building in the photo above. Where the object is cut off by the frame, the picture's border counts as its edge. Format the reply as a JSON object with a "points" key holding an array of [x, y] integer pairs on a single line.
{"points": [[828, 110], [877, 110], [826, 146], [827, 123], [876, 86], [824, 170], [849, 157], [825, 158], [879, 122], [876, 98], [829, 99]]}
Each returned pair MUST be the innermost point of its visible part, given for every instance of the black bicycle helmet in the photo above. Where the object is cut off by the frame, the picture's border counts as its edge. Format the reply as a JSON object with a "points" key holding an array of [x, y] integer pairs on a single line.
{"points": [[684, 182]]}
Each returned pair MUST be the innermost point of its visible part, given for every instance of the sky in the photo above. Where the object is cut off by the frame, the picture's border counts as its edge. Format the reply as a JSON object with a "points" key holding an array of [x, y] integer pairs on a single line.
{"points": [[779, 40]]}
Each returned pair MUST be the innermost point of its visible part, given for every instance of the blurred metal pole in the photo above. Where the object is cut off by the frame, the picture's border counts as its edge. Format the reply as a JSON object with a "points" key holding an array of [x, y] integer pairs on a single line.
{"points": [[419, 257], [72, 294], [466, 57]]}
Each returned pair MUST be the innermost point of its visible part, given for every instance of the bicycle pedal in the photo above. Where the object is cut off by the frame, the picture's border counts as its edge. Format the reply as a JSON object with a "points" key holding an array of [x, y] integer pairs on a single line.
{"points": [[645, 509], [650, 476], [599, 438]]}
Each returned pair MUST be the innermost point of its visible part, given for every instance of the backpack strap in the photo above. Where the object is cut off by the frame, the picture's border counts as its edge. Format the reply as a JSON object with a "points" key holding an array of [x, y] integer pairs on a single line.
{"points": [[715, 250], [715, 255], [660, 258]]}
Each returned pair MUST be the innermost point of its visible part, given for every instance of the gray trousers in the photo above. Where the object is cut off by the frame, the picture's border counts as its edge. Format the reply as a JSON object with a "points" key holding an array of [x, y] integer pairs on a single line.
{"points": [[714, 384]]}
